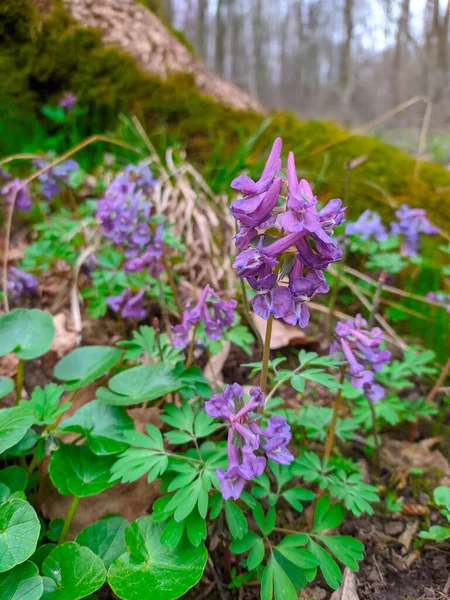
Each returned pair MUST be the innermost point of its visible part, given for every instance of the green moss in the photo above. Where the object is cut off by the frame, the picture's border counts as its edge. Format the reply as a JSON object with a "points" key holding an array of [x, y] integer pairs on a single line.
{"points": [[40, 58]]}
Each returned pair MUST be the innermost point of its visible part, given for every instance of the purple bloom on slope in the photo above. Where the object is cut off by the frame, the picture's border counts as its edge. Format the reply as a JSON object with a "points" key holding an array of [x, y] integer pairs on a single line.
{"points": [[270, 298], [52, 180], [411, 223], [12, 189], [368, 225], [251, 211], [68, 101], [302, 289], [249, 187], [20, 283], [129, 306]]}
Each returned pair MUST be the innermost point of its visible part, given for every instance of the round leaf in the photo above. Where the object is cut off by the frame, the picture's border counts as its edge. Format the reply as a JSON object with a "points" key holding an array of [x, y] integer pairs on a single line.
{"points": [[21, 583], [105, 538], [14, 479], [151, 570], [83, 365], [78, 471], [71, 572], [14, 424], [19, 533], [140, 384], [103, 426], [6, 386], [28, 333]]}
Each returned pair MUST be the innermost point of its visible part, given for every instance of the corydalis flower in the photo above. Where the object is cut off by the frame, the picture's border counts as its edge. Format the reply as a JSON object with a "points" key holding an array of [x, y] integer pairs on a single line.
{"points": [[369, 225], [130, 306], [411, 223], [246, 438], [215, 313], [15, 189], [440, 297], [361, 348], [56, 177], [20, 283], [299, 228], [68, 101]]}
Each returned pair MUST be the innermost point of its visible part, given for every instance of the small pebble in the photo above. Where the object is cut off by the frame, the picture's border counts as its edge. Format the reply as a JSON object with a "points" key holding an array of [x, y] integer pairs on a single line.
{"points": [[394, 528]]}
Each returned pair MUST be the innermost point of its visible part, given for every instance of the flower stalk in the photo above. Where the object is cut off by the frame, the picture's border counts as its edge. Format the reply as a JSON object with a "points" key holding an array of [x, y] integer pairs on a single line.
{"points": [[265, 356], [68, 520]]}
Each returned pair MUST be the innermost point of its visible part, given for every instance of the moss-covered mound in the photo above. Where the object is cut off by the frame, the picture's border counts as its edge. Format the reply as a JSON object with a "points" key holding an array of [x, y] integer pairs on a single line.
{"points": [[41, 57]]}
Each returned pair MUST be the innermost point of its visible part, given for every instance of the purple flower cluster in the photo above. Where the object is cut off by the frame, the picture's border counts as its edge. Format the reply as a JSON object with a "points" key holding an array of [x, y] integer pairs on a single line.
{"points": [[361, 348], [68, 101], [23, 198], [411, 223], [368, 226], [215, 313], [297, 225], [130, 306], [246, 438], [440, 297], [20, 283], [54, 179]]}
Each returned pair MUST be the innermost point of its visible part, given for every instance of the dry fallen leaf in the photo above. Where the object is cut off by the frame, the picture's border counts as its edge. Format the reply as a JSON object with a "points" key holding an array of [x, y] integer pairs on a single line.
{"points": [[66, 338], [282, 334], [347, 591], [407, 536], [213, 369], [405, 456]]}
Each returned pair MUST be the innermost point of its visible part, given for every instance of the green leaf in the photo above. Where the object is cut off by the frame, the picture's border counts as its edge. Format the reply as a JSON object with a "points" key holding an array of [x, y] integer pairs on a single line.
{"points": [[317, 376], [326, 517], [235, 518], [441, 496], [327, 565], [21, 583], [267, 581], [345, 548], [298, 556], [105, 538], [54, 529], [351, 489], [436, 533], [78, 471], [245, 543], [196, 528], [276, 584], [102, 425], [41, 554], [164, 574], [15, 480], [27, 333], [19, 532], [172, 533], [84, 365], [294, 495], [256, 554], [14, 424], [45, 403], [71, 572], [6, 386], [294, 540], [139, 384]]}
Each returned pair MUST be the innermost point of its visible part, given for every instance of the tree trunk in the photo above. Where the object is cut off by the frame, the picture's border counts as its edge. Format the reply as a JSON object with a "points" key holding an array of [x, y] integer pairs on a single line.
{"points": [[219, 56], [201, 37], [347, 45]]}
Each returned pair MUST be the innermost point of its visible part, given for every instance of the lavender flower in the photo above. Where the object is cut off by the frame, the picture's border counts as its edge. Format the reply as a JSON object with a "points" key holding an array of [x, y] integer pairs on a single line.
{"points": [[411, 223], [215, 313], [68, 101], [361, 348], [20, 283], [55, 178], [11, 190], [369, 225], [245, 436], [302, 230], [129, 306], [440, 297]]}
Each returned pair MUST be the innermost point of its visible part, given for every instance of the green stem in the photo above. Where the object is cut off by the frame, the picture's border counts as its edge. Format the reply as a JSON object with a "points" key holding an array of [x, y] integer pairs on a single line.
{"points": [[336, 406], [19, 381], [375, 436], [334, 293], [68, 520], [173, 287], [248, 317], [265, 357], [190, 355]]}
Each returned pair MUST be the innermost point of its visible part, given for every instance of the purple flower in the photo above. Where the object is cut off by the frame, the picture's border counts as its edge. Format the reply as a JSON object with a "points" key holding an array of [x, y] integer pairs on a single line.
{"points": [[68, 101], [302, 289], [54, 179], [411, 223], [129, 306], [244, 438], [20, 283], [361, 348], [369, 225], [270, 298], [440, 297], [215, 313], [249, 187], [11, 190], [251, 211]]}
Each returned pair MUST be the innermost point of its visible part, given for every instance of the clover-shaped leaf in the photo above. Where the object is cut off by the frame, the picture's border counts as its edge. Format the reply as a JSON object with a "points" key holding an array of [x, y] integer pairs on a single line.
{"points": [[21, 583], [71, 572], [27, 333], [19, 532], [77, 470], [84, 365], [152, 570], [102, 425]]}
